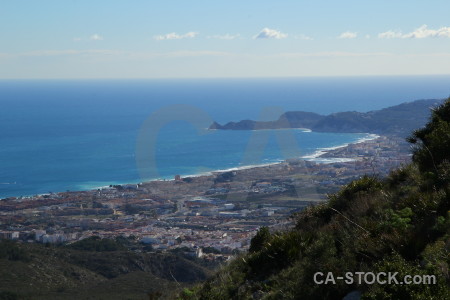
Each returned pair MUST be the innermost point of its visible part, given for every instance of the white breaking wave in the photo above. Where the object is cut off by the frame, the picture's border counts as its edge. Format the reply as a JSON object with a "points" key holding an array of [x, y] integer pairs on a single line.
{"points": [[315, 156]]}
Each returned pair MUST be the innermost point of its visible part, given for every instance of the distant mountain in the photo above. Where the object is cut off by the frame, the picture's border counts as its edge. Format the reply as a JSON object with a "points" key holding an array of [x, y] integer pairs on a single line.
{"points": [[395, 120]]}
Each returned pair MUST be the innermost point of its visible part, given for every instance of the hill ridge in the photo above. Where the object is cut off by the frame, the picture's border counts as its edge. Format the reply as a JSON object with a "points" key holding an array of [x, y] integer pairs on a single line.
{"points": [[397, 120]]}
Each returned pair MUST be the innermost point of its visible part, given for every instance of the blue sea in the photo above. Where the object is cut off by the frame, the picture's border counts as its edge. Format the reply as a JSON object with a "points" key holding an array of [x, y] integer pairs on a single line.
{"points": [[58, 135]]}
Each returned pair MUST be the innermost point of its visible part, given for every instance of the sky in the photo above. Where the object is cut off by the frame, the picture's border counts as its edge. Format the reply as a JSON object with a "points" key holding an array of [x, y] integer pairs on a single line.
{"points": [[220, 39]]}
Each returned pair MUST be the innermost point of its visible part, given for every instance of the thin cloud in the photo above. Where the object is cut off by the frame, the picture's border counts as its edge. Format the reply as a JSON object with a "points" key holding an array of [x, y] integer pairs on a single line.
{"points": [[69, 52], [303, 37], [330, 54], [96, 37], [268, 33], [348, 35], [194, 53], [390, 35], [116, 53], [435, 54], [420, 33], [224, 37], [176, 36], [176, 54]]}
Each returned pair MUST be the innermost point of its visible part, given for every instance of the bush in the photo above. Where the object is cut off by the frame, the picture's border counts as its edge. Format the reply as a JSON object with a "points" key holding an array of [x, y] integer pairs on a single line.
{"points": [[260, 239], [279, 252], [96, 243], [10, 251], [432, 143], [344, 198], [187, 294], [5, 295], [395, 263]]}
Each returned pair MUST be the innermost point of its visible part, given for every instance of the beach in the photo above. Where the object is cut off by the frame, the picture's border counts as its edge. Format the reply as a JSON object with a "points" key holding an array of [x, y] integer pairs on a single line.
{"points": [[375, 147], [233, 202]]}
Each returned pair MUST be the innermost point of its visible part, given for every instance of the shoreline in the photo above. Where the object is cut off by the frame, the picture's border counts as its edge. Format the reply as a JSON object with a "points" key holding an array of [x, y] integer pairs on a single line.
{"points": [[323, 151], [319, 155], [315, 157], [236, 203]]}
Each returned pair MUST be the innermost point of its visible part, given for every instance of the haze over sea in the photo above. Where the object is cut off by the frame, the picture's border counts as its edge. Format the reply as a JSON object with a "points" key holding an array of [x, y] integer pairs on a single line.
{"points": [[59, 135]]}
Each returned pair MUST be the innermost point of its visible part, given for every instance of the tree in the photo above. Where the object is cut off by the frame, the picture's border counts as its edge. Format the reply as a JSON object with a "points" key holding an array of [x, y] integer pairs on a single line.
{"points": [[432, 143], [261, 238]]}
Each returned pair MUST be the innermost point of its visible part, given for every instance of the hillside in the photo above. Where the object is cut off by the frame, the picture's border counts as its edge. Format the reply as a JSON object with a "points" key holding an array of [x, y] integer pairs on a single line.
{"points": [[36, 271], [396, 224], [398, 120]]}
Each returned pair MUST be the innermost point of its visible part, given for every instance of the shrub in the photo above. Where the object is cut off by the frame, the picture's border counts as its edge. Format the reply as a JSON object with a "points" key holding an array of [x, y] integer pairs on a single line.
{"points": [[395, 263], [397, 220], [344, 198], [11, 251], [5, 295], [260, 239], [96, 243], [432, 143], [277, 253]]}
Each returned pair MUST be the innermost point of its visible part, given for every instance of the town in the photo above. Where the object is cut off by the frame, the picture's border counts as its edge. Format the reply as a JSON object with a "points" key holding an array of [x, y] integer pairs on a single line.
{"points": [[217, 214]]}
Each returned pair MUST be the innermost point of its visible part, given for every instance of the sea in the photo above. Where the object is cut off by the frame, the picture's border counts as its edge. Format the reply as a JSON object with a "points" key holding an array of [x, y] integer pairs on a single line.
{"points": [[60, 135]]}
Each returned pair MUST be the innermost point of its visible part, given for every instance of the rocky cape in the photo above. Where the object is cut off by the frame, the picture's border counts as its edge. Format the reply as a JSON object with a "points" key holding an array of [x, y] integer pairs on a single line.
{"points": [[398, 120]]}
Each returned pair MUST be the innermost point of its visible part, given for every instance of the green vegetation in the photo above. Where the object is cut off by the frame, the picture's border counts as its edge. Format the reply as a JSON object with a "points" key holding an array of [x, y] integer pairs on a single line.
{"points": [[130, 209], [11, 251], [8, 296], [34, 271], [396, 224], [96, 243]]}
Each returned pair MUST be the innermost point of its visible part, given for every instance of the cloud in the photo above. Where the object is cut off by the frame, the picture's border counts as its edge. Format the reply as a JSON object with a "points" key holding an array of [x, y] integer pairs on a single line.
{"points": [[268, 33], [146, 55], [70, 52], [96, 37], [116, 53], [390, 35], [303, 37], [224, 37], [348, 35], [420, 33], [193, 53], [176, 36], [424, 32], [330, 54]]}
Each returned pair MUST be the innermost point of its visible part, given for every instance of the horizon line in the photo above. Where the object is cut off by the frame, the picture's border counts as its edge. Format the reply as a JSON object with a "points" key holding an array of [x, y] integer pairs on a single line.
{"points": [[230, 77]]}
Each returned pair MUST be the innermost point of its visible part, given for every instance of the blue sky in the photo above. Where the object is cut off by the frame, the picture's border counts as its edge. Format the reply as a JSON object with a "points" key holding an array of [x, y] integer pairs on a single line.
{"points": [[207, 39]]}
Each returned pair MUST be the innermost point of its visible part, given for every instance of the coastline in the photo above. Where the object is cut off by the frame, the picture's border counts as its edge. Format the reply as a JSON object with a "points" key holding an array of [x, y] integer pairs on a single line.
{"points": [[323, 151], [317, 157], [311, 157], [234, 202]]}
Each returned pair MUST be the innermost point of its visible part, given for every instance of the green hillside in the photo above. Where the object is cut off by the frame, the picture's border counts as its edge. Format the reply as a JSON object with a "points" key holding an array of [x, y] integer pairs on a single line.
{"points": [[396, 224], [92, 269]]}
